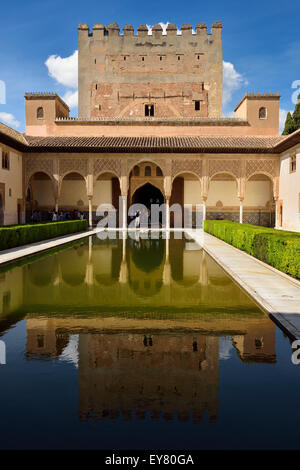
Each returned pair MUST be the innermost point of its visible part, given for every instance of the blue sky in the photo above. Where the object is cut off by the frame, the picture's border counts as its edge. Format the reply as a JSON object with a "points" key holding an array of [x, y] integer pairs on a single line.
{"points": [[260, 39]]}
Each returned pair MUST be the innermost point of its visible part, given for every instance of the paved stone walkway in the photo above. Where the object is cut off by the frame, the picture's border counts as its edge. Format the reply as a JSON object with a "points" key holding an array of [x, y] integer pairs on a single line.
{"points": [[275, 292], [14, 254]]}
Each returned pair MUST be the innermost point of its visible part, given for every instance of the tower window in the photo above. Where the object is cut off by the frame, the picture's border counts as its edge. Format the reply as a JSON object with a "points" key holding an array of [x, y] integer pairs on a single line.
{"points": [[149, 109], [143, 58], [197, 105], [262, 113], [178, 57], [95, 61], [96, 86], [124, 57], [293, 163], [40, 113]]}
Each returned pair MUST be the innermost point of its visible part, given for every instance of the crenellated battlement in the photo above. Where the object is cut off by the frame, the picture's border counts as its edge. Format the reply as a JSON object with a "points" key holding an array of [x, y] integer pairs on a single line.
{"points": [[151, 71], [113, 30]]}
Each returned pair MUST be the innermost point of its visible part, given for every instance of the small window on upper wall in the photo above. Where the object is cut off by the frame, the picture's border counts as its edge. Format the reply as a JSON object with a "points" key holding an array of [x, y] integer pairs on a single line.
{"points": [[40, 113], [5, 160], [293, 163], [197, 105], [158, 171], [149, 110], [262, 113]]}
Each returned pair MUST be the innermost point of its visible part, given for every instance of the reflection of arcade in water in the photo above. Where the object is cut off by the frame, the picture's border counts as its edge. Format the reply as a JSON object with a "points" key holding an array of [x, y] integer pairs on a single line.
{"points": [[144, 321], [128, 274], [164, 372]]}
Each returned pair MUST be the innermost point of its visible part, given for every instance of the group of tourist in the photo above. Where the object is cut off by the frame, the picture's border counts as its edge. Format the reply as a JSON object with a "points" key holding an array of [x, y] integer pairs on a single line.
{"points": [[56, 216]]}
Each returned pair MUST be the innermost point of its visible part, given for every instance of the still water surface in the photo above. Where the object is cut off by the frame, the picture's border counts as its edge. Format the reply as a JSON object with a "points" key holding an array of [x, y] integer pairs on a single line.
{"points": [[127, 344]]}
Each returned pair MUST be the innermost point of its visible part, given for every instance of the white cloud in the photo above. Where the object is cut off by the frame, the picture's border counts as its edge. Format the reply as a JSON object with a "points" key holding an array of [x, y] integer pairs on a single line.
{"points": [[282, 118], [71, 98], [64, 69], [9, 119], [232, 81]]}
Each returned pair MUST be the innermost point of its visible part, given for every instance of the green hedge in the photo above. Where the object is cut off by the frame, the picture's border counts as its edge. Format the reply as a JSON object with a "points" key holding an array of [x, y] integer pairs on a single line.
{"points": [[18, 235], [279, 248]]}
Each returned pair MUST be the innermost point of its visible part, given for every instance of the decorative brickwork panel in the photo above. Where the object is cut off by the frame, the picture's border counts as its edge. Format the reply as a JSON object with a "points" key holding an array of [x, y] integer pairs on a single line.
{"points": [[222, 166], [103, 165], [185, 165], [68, 165], [257, 166]]}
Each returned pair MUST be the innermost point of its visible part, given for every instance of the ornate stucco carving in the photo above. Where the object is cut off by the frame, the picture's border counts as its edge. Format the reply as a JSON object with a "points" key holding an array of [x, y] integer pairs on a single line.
{"points": [[186, 165], [102, 165], [67, 165], [265, 166], [223, 165]]}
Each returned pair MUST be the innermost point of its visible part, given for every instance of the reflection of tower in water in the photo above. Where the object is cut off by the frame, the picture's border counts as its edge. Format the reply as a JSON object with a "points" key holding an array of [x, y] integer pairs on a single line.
{"points": [[163, 374]]}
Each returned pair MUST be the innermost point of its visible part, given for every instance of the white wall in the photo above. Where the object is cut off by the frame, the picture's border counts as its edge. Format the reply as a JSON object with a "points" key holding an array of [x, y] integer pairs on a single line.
{"points": [[289, 190], [12, 179]]}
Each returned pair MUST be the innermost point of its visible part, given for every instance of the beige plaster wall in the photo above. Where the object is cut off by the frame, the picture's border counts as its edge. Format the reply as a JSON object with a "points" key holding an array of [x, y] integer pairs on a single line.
{"points": [[73, 191], [192, 192], [42, 193], [12, 179], [102, 193], [289, 192], [258, 193], [224, 191], [97, 129]]}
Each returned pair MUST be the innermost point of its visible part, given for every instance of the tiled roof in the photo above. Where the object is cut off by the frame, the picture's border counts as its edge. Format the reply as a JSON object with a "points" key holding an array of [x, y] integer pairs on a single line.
{"points": [[241, 144], [9, 134], [288, 142], [200, 144]]}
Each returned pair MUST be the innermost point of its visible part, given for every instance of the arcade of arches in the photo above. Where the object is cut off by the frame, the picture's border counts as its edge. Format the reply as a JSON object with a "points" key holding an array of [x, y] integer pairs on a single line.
{"points": [[239, 189]]}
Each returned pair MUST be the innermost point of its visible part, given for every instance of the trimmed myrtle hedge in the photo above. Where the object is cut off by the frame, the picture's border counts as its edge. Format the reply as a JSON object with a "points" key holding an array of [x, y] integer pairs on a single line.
{"points": [[279, 248], [17, 235]]}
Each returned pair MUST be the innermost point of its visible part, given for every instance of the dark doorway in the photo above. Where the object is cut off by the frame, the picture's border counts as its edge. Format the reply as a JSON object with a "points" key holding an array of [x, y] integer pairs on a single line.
{"points": [[147, 195]]}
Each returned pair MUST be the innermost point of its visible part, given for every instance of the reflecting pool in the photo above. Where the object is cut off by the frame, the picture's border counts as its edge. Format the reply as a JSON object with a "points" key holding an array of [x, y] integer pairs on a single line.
{"points": [[134, 343]]}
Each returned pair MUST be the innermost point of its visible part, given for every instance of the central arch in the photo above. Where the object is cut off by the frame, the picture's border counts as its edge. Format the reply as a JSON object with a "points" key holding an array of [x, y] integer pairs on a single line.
{"points": [[148, 194]]}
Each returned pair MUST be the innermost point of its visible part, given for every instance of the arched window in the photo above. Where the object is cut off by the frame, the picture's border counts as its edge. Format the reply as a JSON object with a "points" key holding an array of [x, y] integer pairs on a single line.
{"points": [[262, 113], [40, 113], [148, 171], [5, 160], [158, 171], [136, 171]]}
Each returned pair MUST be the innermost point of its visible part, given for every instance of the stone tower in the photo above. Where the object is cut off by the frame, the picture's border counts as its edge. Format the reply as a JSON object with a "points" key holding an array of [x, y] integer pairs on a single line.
{"points": [[142, 76]]}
